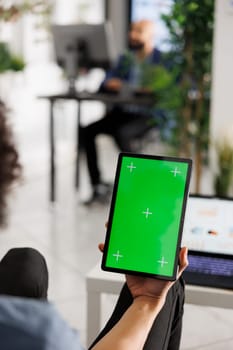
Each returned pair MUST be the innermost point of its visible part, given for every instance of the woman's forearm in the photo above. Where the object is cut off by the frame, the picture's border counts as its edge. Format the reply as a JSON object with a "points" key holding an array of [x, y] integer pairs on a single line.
{"points": [[133, 328]]}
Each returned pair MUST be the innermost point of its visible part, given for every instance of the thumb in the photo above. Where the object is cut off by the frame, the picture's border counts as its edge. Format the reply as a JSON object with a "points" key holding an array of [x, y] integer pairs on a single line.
{"points": [[101, 247]]}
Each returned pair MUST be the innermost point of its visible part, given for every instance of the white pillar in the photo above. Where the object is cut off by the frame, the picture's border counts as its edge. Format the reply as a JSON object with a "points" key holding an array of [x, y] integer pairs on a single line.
{"points": [[118, 15], [222, 71]]}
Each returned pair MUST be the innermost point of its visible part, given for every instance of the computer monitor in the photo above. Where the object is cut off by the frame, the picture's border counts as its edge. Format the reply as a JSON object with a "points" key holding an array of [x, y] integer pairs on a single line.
{"points": [[83, 46]]}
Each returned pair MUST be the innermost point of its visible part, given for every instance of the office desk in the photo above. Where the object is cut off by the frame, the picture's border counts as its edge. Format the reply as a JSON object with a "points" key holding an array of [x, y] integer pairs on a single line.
{"points": [[122, 99], [98, 282]]}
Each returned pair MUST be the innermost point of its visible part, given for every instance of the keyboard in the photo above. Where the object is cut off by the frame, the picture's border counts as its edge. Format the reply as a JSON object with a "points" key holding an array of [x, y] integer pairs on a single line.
{"points": [[209, 272], [210, 265]]}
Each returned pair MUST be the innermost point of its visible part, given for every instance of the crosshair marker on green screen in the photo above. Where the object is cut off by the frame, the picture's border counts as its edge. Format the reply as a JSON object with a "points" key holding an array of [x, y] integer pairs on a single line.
{"points": [[144, 226]]}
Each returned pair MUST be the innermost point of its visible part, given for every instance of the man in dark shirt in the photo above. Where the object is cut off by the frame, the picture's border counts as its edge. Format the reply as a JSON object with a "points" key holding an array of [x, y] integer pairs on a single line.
{"points": [[126, 122]]}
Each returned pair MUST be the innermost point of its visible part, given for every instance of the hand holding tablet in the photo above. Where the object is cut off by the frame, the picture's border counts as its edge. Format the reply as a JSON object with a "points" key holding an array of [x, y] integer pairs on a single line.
{"points": [[146, 215]]}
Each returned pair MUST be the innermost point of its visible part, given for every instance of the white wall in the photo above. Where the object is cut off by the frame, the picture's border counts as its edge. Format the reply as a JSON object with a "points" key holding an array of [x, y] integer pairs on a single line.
{"points": [[222, 85]]}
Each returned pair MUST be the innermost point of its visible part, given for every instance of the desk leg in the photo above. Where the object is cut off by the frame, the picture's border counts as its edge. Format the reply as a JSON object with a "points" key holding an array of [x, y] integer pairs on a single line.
{"points": [[77, 146], [93, 315], [52, 153]]}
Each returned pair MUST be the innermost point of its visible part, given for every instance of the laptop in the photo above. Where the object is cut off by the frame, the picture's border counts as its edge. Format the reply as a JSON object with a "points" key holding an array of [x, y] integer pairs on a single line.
{"points": [[208, 233]]}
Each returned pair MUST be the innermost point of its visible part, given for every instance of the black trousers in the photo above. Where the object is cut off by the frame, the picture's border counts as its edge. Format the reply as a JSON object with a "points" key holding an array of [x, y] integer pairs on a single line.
{"points": [[24, 273], [165, 333], [122, 126]]}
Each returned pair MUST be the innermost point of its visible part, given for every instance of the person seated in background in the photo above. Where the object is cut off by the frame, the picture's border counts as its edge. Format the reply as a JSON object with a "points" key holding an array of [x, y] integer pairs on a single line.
{"points": [[123, 122], [148, 314]]}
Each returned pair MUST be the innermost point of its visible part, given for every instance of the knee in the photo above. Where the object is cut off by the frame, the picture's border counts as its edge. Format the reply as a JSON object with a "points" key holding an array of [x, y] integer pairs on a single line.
{"points": [[24, 272]]}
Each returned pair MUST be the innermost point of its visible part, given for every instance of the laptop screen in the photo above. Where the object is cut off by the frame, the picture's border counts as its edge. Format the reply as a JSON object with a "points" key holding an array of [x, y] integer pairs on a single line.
{"points": [[208, 225]]}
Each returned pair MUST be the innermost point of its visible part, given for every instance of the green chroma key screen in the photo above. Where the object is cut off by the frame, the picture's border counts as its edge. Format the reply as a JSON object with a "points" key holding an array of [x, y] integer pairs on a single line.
{"points": [[146, 215]]}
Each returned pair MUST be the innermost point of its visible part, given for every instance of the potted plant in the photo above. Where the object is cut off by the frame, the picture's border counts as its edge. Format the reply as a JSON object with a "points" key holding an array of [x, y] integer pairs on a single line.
{"points": [[11, 13], [8, 60], [190, 24]]}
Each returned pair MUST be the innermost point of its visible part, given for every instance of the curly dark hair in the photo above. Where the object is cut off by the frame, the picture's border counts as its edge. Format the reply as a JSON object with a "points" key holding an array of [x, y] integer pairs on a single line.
{"points": [[10, 169]]}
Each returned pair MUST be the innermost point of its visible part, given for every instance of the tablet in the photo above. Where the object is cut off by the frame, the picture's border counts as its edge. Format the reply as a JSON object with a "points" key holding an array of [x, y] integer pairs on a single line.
{"points": [[146, 215]]}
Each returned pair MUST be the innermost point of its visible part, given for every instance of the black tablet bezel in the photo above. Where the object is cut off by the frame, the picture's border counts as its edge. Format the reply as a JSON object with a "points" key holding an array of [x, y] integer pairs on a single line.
{"points": [[112, 206]]}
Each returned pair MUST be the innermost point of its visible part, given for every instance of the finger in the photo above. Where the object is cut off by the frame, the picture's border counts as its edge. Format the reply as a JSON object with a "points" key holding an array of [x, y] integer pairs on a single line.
{"points": [[183, 260], [101, 247]]}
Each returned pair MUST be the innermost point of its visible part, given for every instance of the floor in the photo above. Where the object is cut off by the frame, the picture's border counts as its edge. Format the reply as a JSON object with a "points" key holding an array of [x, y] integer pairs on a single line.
{"points": [[68, 233]]}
